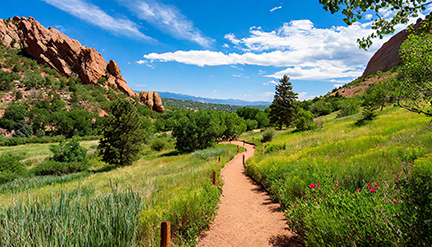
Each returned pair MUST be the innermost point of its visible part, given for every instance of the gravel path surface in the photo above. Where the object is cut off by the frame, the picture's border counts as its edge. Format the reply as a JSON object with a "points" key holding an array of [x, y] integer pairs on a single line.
{"points": [[246, 215]]}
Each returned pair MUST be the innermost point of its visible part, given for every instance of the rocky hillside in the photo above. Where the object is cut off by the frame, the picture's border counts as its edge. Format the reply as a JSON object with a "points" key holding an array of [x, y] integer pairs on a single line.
{"points": [[68, 57]]}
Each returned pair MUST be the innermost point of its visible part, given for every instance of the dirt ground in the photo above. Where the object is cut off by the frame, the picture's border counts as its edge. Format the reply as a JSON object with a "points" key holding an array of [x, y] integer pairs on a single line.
{"points": [[246, 215]]}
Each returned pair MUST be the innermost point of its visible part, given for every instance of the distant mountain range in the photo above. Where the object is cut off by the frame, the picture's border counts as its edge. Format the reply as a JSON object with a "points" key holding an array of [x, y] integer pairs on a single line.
{"points": [[209, 100]]}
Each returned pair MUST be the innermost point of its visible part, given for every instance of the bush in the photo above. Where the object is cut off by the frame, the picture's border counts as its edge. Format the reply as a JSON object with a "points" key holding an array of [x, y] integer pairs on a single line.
{"points": [[11, 168], [349, 108], [69, 152], [267, 136], [49, 167], [158, 145], [304, 120]]}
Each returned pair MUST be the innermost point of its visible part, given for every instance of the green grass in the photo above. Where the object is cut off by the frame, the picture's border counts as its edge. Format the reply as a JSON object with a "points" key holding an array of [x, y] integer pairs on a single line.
{"points": [[169, 187], [382, 151]]}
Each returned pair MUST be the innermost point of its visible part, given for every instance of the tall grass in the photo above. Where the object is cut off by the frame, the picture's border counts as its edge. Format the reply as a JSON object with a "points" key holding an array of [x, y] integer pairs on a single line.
{"points": [[72, 218], [168, 186], [346, 157]]}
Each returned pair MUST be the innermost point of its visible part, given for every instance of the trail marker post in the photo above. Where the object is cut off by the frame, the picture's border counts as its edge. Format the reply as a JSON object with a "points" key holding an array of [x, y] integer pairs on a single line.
{"points": [[214, 178], [244, 159], [165, 234], [219, 160], [238, 149]]}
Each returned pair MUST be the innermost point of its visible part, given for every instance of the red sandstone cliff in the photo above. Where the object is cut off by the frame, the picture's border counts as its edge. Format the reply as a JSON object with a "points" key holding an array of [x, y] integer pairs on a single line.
{"points": [[64, 54]]}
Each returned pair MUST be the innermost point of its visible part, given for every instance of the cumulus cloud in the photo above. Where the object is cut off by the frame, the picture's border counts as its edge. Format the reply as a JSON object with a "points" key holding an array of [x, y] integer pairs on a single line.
{"points": [[93, 14], [226, 45], [306, 52], [275, 8], [168, 19]]}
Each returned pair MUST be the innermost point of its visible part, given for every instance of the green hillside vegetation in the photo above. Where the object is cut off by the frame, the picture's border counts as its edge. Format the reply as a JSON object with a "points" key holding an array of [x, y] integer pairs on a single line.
{"points": [[362, 179], [122, 207], [189, 104]]}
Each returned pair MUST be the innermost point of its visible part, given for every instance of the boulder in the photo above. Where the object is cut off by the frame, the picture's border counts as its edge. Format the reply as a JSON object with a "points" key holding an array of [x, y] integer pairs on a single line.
{"points": [[152, 100]]}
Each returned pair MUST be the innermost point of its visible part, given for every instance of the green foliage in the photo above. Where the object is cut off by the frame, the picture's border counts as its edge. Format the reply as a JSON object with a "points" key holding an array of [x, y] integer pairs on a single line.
{"points": [[350, 107], [268, 135], [6, 80], [283, 108], [158, 145], [415, 75], [69, 152], [198, 130], [122, 134], [190, 104], [403, 11], [394, 151], [33, 80], [11, 168], [304, 120], [251, 124]]}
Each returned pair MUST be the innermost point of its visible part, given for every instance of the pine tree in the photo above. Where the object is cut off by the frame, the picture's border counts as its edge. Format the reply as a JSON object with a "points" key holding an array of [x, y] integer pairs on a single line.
{"points": [[122, 134], [283, 108]]}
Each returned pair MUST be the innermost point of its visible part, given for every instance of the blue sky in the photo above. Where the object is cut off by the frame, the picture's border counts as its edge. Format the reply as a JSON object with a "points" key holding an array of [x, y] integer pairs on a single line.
{"points": [[217, 49]]}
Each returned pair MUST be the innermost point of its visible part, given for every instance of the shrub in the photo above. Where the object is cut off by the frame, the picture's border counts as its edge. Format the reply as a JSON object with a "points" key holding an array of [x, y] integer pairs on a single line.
{"points": [[11, 168], [49, 167], [304, 120], [267, 136], [158, 145], [349, 108], [69, 152]]}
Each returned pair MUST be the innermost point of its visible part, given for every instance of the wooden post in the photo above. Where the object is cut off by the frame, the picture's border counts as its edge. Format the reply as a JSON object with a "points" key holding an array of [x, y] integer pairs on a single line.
{"points": [[165, 234], [238, 149], [243, 143], [253, 138], [219, 160], [244, 159], [214, 178]]}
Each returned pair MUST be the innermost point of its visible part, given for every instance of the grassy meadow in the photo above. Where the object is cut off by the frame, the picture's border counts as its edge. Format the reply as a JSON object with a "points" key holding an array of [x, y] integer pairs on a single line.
{"points": [[121, 207], [353, 185]]}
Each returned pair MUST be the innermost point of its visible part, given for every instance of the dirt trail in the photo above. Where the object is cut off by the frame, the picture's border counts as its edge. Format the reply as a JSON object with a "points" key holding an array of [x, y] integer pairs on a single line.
{"points": [[246, 215]]}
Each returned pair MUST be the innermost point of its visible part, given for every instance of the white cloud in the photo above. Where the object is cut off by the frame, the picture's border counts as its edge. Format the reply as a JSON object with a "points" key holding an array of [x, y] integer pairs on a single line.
{"points": [[168, 19], [275, 8], [146, 63], [274, 82], [303, 96], [94, 15], [337, 85], [306, 52], [214, 91], [241, 76], [231, 37], [236, 67], [226, 45], [60, 28]]}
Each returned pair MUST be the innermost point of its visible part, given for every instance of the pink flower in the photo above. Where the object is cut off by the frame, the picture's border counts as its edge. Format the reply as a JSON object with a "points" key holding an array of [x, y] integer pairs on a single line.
{"points": [[395, 201], [305, 196], [376, 185], [312, 186], [318, 184], [369, 185], [373, 190], [357, 190], [316, 200], [337, 185], [295, 203]]}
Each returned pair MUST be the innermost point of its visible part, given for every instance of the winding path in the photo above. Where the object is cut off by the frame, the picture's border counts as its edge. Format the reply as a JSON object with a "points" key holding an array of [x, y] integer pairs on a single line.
{"points": [[246, 215]]}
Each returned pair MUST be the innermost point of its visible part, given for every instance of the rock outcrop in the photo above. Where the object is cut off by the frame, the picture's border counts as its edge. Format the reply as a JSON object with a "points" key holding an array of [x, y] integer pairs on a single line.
{"points": [[62, 53], [387, 56], [153, 100]]}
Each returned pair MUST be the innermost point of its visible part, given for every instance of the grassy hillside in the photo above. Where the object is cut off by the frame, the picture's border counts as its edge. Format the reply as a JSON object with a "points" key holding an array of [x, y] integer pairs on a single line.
{"points": [[120, 207], [348, 185]]}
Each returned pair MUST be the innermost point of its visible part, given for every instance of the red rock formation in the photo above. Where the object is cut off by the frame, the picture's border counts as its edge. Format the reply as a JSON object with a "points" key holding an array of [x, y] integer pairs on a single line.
{"points": [[387, 56], [152, 99], [64, 54]]}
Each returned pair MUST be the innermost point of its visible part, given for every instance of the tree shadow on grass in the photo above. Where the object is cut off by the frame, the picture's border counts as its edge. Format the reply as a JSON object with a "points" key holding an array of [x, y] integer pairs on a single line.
{"points": [[283, 240], [172, 153]]}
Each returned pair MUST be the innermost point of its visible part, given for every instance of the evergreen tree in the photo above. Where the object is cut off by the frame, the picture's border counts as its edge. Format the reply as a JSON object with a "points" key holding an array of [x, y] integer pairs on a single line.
{"points": [[122, 134], [283, 108]]}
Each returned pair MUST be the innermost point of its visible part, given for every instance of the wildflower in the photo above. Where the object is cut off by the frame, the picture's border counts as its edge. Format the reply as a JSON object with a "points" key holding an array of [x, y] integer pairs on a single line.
{"points": [[295, 203], [318, 184], [333, 188], [312, 186], [357, 190], [373, 190], [376, 185], [305, 196], [316, 200], [337, 185], [395, 201], [369, 185]]}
